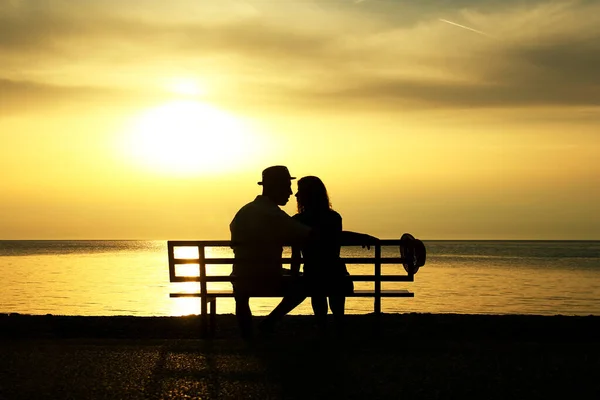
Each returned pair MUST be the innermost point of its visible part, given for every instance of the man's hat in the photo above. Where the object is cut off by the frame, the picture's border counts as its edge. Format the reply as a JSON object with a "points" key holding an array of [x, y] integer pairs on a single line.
{"points": [[276, 174]]}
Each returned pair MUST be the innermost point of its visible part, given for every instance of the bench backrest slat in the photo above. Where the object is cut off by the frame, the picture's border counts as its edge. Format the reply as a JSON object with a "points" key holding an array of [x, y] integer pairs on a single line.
{"points": [[227, 243], [288, 260], [377, 260]]}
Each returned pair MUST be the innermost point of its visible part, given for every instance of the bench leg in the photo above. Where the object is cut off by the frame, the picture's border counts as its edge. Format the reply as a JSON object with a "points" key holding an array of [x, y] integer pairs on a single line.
{"points": [[213, 316], [377, 310], [203, 317], [377, 305]]}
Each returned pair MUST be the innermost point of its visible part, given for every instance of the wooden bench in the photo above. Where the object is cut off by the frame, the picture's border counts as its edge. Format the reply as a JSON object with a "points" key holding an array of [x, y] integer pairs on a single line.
{"points": [[412, 256]]}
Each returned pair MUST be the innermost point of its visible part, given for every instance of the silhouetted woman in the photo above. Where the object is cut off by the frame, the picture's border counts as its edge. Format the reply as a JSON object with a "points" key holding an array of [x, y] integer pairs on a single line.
{"points": [[324, 273]]}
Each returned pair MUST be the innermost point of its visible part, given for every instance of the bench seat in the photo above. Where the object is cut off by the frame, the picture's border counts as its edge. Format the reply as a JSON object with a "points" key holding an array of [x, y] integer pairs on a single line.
{"points": [[357, 293]]}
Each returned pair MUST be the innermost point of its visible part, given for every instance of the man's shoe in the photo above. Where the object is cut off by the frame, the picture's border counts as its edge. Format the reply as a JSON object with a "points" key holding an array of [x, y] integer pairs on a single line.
{"points": [[247, 332], [266, 328]]}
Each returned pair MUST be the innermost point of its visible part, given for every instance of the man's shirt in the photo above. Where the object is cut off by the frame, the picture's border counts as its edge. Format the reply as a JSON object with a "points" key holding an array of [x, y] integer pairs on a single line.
{"points": [[258, 232]]}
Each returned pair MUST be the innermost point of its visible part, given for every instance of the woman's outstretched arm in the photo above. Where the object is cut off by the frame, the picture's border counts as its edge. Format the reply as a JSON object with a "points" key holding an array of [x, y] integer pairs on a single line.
{"points": [[357, 239]]}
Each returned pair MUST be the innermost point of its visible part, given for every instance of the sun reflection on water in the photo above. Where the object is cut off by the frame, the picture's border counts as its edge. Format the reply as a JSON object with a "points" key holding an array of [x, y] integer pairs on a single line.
{"points": [[186, 252]]}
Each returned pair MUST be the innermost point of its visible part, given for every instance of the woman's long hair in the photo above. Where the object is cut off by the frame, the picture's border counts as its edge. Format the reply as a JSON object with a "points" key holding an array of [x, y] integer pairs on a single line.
{"points": [[312, 195]]}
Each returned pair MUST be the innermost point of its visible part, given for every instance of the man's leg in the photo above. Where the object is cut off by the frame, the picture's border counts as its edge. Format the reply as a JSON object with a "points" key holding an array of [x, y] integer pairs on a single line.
{"points": [[294, 294], [288, 303], [244, 315]]}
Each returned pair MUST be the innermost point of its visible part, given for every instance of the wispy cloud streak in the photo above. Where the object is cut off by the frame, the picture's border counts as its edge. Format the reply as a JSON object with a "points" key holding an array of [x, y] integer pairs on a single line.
{"points": [[467, 28]]}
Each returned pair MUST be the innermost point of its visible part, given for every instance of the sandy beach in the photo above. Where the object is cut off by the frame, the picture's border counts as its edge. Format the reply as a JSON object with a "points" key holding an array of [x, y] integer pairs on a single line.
{"points": [[409, 356]]}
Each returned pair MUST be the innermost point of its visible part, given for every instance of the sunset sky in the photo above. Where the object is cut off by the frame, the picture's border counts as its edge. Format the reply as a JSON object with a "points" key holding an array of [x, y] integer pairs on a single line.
{"points": [[462, 119]]}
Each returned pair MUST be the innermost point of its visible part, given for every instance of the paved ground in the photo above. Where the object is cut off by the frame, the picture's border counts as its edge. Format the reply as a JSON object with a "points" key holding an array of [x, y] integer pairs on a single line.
{"points": [[470, 357]]}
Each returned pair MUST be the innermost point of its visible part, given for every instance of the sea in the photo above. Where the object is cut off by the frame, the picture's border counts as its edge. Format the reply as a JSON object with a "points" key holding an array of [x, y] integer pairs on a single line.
{"points": [[104, 278]]}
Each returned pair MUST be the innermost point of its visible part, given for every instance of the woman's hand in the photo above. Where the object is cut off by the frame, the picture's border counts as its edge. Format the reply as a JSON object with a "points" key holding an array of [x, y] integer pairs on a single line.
{"points": [[368, 240], [358, 239]]}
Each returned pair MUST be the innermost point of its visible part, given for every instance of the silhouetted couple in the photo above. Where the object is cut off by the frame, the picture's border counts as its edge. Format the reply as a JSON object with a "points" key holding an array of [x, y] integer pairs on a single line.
{"points": [[259, 231]]}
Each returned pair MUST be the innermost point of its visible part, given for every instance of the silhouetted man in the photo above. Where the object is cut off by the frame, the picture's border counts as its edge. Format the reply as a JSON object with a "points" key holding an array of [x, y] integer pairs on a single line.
{"points": [[258, 232]]}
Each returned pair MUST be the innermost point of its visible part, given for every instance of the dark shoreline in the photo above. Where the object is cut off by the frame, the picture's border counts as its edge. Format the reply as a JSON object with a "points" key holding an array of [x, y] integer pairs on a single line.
{"points": [[412, 356], [456, 327]]}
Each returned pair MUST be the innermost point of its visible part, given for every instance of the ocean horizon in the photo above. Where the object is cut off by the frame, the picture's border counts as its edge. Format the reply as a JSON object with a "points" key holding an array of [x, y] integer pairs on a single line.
{"points": [[130, 277]]}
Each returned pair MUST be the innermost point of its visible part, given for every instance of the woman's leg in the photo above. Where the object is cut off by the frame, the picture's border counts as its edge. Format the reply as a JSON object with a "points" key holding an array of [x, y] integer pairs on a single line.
{"points": [[243, 315], [337, 305], [314, 285], [319, 306]]}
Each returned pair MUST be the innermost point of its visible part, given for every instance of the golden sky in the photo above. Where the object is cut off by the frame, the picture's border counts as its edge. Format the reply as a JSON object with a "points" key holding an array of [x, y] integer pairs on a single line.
{"points": [[466, 119]]}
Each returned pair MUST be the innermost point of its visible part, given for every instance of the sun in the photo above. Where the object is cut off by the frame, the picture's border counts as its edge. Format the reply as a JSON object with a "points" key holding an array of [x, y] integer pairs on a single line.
{"points": [[190, 137], [185, 87]]}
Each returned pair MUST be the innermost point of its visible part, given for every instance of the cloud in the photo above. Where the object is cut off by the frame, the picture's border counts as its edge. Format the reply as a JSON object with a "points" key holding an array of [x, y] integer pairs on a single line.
{"points": [[17, 97], [368, 55], [546, 54], [24, 95]]}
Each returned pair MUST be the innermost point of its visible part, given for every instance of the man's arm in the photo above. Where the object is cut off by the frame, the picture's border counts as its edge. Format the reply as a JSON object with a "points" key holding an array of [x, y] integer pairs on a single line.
{"points": [[287, 229]]}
